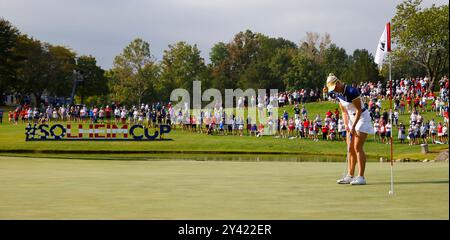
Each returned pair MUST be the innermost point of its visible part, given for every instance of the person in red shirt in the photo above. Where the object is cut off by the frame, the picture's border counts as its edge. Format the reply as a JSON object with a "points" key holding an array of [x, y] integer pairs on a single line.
{"points": [[324, 132], [193, 121], [108, 113], [23, 115], [260, 130], [16, 116], [329, 113], [305, 127], [416, 103], [336, 113], [440, 131], [10, 117], [408, 101]]}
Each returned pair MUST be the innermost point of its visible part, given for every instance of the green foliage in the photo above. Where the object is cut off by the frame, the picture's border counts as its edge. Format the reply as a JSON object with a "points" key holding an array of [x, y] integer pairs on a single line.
{"points": [[250, 60], [305, 72], [94, 81], [31, 73], [230, 61], [180, 66], [39, 71], [134, 74], [421, 37], [8, 67], [361, 68], [40, 68], [335, 60], [61, 62]]}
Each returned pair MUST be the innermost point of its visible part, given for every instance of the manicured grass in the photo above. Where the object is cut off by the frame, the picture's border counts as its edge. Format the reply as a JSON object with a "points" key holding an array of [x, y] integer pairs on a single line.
{"points": [[40, 188]]}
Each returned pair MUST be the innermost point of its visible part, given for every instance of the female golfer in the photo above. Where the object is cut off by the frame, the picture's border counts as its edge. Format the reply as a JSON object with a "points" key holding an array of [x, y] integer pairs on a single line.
{"points": [[357, 123]]}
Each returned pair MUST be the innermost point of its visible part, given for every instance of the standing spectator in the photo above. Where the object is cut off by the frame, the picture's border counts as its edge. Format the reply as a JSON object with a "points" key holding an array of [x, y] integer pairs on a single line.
{"points": [[291, 127], [423, 133], [445, 134], [416, 130], [341, 128], [336, 113], [296, 111], [376, 128], [324, 132], [325, 93], [382, 131], [329, 114], [433, 131], [401, 133], [388, 132], [411, 135], [304, 112], [16, 117]]}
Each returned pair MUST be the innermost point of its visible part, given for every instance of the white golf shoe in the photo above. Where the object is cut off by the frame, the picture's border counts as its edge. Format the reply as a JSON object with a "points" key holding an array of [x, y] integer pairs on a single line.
{"points": [[345, 180], [360, 180]]}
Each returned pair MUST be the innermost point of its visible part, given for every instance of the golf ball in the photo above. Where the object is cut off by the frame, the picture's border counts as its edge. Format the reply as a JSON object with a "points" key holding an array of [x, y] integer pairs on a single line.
{"points": [[391, 193]]}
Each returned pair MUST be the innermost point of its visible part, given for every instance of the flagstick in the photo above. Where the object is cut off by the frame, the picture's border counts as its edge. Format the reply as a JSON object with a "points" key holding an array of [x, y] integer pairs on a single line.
{"points": [[391, 192]]}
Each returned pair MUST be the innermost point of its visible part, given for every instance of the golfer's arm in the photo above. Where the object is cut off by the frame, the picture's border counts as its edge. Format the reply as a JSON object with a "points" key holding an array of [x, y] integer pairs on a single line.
{"points": [[344, 114], [357, 103]]}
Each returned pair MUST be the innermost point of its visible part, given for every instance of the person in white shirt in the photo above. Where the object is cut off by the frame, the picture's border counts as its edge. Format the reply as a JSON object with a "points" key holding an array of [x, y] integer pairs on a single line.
{"points": [[388, 132], [270, 123], [396, 118], [83, 114], [49, 113], [240, 103], [298, 126], [135, 116], [117, 115], [269, 109], [433, 131], [101, 114], [413, 118], [55, 115], [341, 127], [123, 115], [378, 104], [30, 114]]}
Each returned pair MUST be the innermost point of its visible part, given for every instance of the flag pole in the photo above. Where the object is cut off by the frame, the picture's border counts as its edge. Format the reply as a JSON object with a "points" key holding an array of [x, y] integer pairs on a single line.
{"points": [[391, 192]]}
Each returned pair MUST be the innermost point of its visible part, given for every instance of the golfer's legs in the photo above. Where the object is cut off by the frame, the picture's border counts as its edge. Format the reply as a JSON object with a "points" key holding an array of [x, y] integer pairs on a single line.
{"points": [[352, 155], [360, 138]]}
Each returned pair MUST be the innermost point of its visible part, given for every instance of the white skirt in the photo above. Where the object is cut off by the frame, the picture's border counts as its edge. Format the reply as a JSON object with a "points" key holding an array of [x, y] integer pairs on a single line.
{"points": [[364, 124]]}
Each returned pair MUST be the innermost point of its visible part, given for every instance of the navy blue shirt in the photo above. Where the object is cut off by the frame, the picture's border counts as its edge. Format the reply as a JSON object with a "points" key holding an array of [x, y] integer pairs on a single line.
{"points": [[350, 93]]}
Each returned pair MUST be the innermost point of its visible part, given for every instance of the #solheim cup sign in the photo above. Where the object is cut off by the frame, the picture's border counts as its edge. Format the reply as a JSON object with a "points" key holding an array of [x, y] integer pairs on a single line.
{"points": [[92, 132]]}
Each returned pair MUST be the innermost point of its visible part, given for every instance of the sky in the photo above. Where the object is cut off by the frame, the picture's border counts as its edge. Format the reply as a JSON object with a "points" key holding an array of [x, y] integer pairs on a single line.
{"points": [[102, 28]]}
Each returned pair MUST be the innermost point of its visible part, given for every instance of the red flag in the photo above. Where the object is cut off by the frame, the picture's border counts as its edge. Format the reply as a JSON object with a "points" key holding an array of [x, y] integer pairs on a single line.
{"points": [[388, 28]]}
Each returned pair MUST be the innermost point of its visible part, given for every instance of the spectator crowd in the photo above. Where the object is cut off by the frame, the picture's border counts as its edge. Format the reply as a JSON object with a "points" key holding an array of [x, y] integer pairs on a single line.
{"points": [[410, 96]]}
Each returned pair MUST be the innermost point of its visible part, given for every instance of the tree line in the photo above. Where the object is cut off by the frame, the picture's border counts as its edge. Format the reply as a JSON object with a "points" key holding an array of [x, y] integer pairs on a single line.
{"points": [[250, 60]]}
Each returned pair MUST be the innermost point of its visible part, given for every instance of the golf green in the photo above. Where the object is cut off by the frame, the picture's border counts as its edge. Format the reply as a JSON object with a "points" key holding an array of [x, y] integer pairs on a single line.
{"points": [[43, 188]]}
